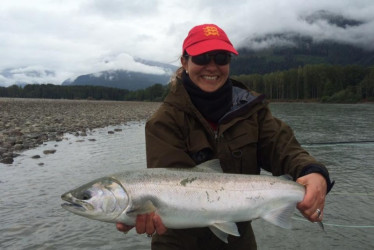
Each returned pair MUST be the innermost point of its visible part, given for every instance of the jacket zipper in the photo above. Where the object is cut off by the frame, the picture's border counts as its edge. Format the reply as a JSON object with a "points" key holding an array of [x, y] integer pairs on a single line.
{"points": [[217, 137]]}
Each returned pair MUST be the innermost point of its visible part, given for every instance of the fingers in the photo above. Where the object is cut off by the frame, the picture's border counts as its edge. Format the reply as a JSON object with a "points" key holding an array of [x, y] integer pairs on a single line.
{"points": [[312, 207], [123, 227], [314, 214], [144, 224], [160, 227], [314, 200], [149, 224]]}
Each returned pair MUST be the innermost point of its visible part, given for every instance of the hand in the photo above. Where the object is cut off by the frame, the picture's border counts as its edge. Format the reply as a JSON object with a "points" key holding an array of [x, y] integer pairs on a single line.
{"points": [[314, 199], [145, 223]]}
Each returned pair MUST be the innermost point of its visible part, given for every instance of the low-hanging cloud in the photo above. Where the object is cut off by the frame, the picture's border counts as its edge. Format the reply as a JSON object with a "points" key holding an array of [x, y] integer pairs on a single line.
{"points": [[65, 39]]}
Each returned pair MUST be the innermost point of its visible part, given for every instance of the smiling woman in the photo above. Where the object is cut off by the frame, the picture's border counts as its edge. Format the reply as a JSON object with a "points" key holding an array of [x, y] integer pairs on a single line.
{"points": [[206, 57], [208, 115]]}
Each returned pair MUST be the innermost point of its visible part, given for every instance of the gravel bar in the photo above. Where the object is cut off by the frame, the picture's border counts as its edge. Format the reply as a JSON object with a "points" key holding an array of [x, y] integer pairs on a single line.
{"points": [[27, 123]]}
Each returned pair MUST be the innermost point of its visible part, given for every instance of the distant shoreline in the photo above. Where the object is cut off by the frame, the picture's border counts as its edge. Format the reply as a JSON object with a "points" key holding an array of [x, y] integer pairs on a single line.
{"points": [[27, 123], [315, 101]]}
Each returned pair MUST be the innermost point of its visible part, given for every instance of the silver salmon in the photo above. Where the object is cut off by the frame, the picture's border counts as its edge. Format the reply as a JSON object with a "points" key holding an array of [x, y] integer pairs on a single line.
{"points": [[188, 198]]}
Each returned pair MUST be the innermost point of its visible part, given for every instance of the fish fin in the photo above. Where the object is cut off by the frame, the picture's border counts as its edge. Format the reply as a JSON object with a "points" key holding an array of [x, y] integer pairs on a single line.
{"points": [[220, 235], [145, 208], [211, 166], [221, 230], [281, 216], [286, 177], [320, 224]]}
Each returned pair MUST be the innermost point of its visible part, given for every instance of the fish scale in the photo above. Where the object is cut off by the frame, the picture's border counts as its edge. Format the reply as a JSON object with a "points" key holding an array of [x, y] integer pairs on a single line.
{"points": [[188, 198]]}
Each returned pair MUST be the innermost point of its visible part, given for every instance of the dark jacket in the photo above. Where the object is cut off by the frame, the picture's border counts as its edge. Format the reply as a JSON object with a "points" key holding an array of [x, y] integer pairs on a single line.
{"points": [[247, 139]]}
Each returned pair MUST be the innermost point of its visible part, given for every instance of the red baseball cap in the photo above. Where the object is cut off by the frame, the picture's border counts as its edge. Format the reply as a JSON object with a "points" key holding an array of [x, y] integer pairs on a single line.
{"points": [[207, 37]]}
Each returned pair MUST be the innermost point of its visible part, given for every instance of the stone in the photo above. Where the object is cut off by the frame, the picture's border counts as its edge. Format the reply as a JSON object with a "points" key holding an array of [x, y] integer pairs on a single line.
{"points": [[49, 151], [7, 160]]}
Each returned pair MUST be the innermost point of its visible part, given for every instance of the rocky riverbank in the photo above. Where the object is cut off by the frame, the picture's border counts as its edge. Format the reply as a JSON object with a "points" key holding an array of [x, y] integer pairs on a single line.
{"points": [[27, 123]]}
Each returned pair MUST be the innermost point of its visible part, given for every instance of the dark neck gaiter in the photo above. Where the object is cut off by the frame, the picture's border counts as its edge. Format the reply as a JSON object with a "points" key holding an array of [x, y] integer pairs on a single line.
{"points": [[212, 105]]}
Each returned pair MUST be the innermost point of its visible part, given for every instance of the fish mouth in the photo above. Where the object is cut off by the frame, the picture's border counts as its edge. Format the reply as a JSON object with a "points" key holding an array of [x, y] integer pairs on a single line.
{"points": [[73, 206]]}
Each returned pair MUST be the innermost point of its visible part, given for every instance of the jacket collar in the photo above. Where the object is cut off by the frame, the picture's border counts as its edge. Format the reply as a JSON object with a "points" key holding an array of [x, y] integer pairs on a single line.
{"points": [[243, 101]]}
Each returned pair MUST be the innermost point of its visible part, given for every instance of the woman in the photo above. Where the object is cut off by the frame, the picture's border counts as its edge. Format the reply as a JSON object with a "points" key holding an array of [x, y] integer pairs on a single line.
{"points": [[207, 115]]}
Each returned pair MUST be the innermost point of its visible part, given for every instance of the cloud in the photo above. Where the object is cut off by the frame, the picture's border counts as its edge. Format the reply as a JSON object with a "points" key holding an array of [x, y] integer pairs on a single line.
{"points": [[75, 37]]}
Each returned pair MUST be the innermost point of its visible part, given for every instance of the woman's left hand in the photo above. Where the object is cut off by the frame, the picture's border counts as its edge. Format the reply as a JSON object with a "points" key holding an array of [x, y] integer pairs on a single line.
{"points": [[314, 200]]}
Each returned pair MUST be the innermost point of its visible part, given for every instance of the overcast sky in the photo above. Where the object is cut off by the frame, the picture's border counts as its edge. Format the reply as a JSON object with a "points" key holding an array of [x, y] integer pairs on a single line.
{"points": [[75, 37]]}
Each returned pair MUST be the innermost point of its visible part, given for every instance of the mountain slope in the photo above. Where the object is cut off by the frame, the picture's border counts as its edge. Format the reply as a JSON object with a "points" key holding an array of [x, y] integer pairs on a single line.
{"points": [[121, 79], [124, 79], [281, 51], [295, 51]]}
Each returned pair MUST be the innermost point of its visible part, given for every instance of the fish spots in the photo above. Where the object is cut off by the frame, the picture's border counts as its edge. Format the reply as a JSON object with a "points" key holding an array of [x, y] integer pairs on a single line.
{"points": [[255, 198], [214, 196], [186, 181], [209, 199]]}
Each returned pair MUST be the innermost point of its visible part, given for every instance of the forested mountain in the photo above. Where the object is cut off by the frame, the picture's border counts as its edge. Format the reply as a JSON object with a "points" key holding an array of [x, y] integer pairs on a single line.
{"points": [[328, 83], [124, 79], [297, 51], [283, 66], [155, 92], [120, 79], [286, 50]]}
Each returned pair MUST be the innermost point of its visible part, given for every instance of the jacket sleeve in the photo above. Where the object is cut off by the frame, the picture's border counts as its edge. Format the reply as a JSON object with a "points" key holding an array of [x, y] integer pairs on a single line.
{"points": [[279, 151], [165, 143]]}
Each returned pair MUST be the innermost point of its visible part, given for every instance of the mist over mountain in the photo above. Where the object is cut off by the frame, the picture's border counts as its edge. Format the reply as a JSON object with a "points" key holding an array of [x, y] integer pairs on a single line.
{"points": [[314, 37], [332, 18], [168, 68], [26, 75], [125, 79], [290, 49], [293, 50], [121, 79], [318, 26]]}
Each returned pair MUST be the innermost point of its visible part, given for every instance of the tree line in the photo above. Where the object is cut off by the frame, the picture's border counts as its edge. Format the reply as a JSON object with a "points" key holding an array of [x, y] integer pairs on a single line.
{"points": [[326, 83], [51, 91], [305, 52]]}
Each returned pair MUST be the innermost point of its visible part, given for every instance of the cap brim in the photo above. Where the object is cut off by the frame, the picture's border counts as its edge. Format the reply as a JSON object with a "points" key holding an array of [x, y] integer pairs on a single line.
{"points": [[210, 45]]}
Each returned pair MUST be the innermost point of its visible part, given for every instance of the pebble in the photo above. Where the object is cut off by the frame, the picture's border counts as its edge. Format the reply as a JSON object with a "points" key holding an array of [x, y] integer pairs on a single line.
{"points": [[28, 123], [49, 151]]}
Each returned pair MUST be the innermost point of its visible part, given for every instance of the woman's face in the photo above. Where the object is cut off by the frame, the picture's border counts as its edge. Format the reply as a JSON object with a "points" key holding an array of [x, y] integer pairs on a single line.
{"points": [[209, 77]]}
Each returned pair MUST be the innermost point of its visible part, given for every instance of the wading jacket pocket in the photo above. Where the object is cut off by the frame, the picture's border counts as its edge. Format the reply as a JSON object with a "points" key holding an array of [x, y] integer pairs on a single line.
{"points": [[199, 147], [243, 150]]}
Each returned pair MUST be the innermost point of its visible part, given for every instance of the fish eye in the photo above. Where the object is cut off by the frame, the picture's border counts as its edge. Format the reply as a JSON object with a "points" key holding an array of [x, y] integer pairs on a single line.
{"points": [[86, 195]]}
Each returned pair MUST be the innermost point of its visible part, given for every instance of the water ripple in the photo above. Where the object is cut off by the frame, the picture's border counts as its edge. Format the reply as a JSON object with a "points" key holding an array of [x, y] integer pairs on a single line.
{"points": [[31, 216]]}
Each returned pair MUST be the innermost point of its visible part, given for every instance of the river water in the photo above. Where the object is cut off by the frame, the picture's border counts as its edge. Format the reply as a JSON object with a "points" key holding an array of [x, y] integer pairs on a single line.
{"points": [[31, 216]]}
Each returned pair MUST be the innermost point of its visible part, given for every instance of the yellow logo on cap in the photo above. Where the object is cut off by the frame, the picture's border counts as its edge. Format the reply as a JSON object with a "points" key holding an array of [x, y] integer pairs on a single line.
{"points": [[211, 31]]}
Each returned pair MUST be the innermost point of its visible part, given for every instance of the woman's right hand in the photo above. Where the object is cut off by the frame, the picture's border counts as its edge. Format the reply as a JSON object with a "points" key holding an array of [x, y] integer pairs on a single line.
{"points": [[145, 223]]}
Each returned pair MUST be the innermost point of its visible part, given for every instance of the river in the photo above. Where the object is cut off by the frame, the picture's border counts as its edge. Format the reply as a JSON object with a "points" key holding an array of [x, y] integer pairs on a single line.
{"points": [[339, 135]]}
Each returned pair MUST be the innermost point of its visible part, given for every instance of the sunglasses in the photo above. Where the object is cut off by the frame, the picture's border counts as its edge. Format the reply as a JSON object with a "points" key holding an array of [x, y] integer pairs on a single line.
{"points": [[220, 58]]}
